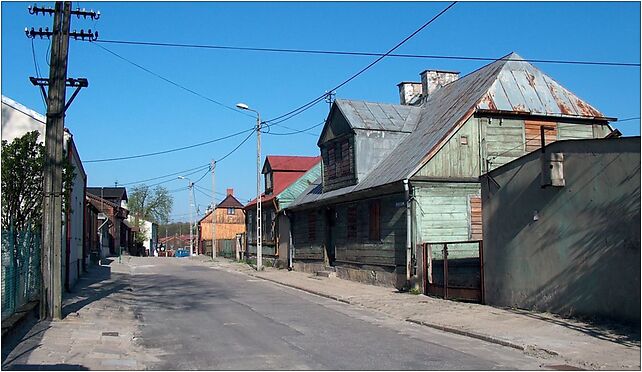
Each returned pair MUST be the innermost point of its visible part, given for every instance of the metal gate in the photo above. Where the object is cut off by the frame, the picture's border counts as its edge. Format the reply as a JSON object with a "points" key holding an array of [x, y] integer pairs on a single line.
{"points": [[454, 270]]}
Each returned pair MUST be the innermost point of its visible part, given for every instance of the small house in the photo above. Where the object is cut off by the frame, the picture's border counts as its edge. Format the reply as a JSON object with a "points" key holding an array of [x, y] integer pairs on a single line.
{"points": [[285, 178], [229, 218]]}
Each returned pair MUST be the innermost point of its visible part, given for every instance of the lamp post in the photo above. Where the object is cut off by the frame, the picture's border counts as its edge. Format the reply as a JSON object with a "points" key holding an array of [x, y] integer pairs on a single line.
{"points": [[259, 230], [190, 185]]}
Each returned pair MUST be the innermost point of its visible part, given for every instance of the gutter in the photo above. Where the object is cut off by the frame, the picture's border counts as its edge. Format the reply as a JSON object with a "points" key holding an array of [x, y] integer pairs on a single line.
{"points": [[406, 189]]}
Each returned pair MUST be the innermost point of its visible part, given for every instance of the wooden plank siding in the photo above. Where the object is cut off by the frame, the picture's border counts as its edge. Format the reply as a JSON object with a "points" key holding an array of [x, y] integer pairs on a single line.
{"points": [[475, 217], [338, 163], [457, 159], [304, 248], [389, 248], [444, 214], [533, 134]]}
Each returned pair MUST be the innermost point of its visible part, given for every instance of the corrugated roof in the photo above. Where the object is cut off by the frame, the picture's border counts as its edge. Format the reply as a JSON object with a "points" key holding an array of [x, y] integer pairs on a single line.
{"points": [[503, 85], [291, 163], [379, 116], [283, 178]]}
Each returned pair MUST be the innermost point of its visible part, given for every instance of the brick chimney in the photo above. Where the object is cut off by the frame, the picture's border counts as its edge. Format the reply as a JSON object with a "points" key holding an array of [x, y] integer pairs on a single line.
{"points": [[409, 92], [230, 192], [431, 80]]}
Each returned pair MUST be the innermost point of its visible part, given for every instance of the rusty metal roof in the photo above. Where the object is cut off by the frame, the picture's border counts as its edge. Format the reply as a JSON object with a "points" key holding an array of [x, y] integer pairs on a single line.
{"points": [[379, 116], [508, 84], [522, 88]]}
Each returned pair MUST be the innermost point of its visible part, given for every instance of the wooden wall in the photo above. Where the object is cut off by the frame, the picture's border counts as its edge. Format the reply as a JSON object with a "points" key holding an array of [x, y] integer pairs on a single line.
{"points": [[227, 226]]}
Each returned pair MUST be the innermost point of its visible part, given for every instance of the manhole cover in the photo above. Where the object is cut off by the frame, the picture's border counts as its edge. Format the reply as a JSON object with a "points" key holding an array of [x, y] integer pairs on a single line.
{"points": [[112, 334]]}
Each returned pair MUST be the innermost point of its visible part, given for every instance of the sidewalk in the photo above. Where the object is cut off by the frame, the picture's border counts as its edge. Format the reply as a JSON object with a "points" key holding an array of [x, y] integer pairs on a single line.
{"points": [[579, 344], [97, 331]]}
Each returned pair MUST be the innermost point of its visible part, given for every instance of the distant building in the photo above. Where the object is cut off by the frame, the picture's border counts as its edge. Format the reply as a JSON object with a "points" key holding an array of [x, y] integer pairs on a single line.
{"points": [[120, 232], [285, 178], [230, 221]]}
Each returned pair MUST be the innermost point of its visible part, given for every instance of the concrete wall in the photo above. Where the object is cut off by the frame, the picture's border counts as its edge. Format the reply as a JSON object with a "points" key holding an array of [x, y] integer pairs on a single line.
{"points": [[572, 250]]}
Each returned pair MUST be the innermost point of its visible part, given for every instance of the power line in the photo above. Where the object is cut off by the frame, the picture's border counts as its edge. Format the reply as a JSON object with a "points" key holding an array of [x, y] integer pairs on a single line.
{"points": [[368, 54], [170, 150], [166, 175], [298, 131], [173, 82], [627, 119], [306, 106]]}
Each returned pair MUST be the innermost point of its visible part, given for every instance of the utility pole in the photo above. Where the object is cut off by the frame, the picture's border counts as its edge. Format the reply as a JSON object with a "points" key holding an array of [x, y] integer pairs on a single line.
{"points": [[51, 304], [259, 214], [191, 218], [51, 252], [213, 166]]}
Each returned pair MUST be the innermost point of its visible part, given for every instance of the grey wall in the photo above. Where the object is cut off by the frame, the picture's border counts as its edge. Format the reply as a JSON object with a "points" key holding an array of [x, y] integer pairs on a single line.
{"points": [[582, 254]]}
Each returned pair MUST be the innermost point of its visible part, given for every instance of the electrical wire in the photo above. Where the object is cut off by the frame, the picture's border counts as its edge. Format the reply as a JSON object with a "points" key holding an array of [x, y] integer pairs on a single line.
{"points": [[627, 119], [365, 54], [308, 105], [298, 131], [166, 175], [37, 68], [170, 150], [173, 82]]}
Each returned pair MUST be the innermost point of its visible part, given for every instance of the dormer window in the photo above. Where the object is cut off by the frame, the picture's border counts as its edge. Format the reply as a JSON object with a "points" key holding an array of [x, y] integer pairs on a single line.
{"points": [[268, 183]]}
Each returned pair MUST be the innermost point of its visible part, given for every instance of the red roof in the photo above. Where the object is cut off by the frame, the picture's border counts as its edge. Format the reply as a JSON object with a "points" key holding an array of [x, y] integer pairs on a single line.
{"points": [[292, 163], [286, 170]]}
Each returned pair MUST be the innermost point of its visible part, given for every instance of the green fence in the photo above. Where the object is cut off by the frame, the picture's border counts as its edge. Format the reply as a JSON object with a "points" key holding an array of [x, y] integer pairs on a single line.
{"points": [[20, 269]]}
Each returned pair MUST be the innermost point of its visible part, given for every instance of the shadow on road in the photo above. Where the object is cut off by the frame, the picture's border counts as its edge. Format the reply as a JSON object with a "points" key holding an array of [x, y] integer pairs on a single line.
{"points": [[47, 367]]}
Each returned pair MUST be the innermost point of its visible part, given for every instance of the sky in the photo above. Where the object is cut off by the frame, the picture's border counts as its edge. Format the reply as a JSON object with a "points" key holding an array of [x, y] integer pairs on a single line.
{"points": [[127, 111]]}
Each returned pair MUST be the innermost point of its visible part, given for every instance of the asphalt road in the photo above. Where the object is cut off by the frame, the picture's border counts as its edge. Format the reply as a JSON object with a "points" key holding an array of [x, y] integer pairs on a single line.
{"points": [[197, 317]]}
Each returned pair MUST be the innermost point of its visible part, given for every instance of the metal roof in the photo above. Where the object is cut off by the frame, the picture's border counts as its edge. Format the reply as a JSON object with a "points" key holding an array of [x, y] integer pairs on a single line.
{"points": [[379, 116], [502, 85]]}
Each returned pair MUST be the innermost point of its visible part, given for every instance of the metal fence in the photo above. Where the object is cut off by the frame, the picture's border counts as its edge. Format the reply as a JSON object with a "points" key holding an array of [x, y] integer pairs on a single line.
{"points": [[20, 269], [453, 270]]}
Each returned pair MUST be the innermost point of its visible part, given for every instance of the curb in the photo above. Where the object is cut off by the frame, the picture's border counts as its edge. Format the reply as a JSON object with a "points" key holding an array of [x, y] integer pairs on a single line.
{"points": [[478, 336], [332, 297], [442, 328]]}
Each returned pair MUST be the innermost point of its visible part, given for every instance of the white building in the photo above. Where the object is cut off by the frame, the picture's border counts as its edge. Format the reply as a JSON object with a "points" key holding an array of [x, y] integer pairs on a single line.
{"points": [[17, 120]]}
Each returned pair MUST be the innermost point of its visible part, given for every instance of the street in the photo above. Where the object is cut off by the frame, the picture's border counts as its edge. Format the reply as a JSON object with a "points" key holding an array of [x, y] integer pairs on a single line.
{"points": [[199, 317]]}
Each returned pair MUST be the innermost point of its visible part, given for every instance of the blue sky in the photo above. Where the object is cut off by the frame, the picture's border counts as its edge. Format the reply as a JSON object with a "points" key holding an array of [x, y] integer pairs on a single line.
{"points": [[126, 111]]}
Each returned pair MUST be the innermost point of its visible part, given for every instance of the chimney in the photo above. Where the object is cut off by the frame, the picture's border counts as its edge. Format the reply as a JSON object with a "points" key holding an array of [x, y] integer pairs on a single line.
{"points": [[431, 80], [409, 92], [230, 192]]}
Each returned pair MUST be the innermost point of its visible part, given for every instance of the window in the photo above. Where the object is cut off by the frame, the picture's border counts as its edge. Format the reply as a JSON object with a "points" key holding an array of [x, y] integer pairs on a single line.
{"points": [[375, 220], [312, 226], [231, 211], [351, 222], [268, 182]]}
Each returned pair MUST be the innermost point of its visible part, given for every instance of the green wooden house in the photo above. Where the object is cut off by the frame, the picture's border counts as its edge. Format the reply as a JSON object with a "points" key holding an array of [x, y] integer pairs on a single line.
{"points": [[401, 180]]}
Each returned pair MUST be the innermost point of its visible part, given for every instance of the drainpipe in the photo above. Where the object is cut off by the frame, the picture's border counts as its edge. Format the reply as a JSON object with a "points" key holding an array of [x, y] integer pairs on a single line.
{"points": [[408, 232]]}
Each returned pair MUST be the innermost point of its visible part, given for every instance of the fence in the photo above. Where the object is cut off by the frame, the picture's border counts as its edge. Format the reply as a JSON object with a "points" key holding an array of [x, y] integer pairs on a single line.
{"points": [[453, 270], [20, 269]]}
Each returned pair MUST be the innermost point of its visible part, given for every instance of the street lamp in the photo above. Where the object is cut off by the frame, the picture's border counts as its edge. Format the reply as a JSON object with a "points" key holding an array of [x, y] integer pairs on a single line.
{"points": [[259, 238], [190, 191]]}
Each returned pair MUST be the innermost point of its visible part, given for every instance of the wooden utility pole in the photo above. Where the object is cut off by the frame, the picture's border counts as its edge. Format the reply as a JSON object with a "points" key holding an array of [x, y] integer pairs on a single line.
{"points": [[51, 304], [51, 252]]}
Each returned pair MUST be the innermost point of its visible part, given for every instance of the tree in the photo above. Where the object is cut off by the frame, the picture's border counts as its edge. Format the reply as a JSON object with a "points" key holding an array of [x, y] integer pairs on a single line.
{"points": [[150, 205], [23, 163]]}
